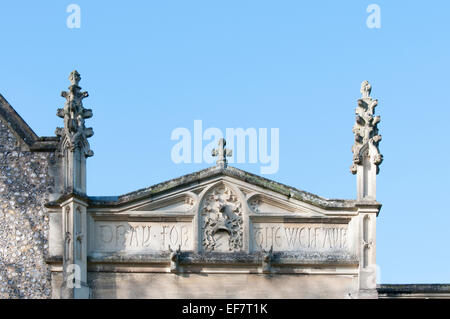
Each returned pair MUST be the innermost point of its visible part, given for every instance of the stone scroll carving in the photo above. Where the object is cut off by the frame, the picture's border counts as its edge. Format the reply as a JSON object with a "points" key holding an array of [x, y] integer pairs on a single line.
{"points": [[222, 221]]}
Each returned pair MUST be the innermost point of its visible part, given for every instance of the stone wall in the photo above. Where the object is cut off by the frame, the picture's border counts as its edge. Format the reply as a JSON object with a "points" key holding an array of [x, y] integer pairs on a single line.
{"points": [[222, 286], [25, 185]]}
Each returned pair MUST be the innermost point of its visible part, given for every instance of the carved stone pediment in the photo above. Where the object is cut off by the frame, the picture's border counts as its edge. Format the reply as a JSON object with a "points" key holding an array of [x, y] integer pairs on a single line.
{"points": [[220, 215], [223, 219]]}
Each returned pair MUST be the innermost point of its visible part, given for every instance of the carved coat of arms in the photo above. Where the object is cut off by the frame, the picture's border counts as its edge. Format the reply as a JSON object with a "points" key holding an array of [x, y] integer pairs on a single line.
{"points": [[222, 212]]}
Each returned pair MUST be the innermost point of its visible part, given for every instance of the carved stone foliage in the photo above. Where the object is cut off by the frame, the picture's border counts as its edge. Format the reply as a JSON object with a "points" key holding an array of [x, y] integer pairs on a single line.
{"points": [[366, 130], [74, 134], [221, 213]]}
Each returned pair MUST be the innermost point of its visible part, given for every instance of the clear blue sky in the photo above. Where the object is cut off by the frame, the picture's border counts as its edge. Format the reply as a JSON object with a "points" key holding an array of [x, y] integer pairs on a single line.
{"points": [[152, 66]]}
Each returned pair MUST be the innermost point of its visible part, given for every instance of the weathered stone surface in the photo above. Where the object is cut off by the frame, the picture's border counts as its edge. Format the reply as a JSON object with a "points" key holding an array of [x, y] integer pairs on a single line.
{"points": [[366, 129], [211, 172], [141, 236], [366, 154], [224, 286], [25, 186]]}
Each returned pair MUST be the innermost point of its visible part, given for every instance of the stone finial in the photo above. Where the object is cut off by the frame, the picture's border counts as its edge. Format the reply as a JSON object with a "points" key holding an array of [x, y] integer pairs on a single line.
{"points": [[222, 153], [366, 130], [75, 134], [74, 77], [366, 89]]}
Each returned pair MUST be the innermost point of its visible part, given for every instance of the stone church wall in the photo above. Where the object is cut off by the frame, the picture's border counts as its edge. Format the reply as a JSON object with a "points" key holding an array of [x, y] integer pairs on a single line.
{"points": [[25, 185]]}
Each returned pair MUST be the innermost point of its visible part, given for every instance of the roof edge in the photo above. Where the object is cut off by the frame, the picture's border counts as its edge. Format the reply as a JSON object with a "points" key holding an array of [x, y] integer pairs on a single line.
{"points": [[24, 131], [413, 288], [193, 178]]}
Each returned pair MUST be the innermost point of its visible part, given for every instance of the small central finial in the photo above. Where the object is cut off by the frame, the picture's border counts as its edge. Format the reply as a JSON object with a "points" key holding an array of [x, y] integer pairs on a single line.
{"points": [[74, 77], [222, 153], [366, 88]]}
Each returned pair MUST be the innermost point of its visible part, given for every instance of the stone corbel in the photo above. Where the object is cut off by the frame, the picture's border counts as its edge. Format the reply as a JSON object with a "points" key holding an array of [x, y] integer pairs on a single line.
{"points": [[174, 258], [267, 260]]}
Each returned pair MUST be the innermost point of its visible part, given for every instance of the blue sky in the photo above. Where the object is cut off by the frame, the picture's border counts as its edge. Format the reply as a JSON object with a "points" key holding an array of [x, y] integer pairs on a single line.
{"points": [[153, 66]]}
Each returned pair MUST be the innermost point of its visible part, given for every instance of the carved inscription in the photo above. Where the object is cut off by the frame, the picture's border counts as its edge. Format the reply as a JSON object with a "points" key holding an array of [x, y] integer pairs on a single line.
{"points": [[291, 237], [117, 236]]}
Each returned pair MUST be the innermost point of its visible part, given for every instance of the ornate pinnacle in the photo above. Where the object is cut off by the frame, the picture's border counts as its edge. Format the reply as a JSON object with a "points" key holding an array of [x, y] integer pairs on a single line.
{"points": [[366, 130], [221, 153], [75, 134]]}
